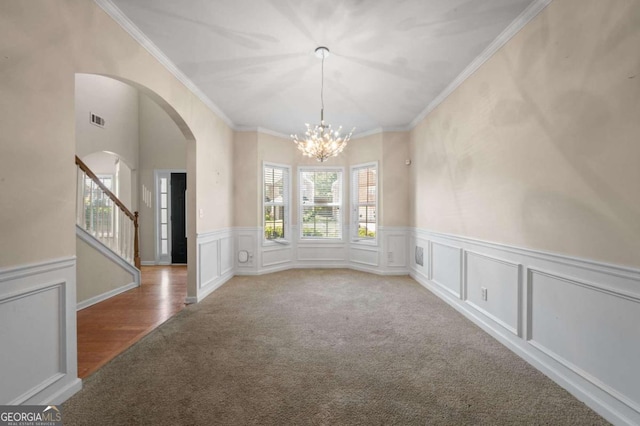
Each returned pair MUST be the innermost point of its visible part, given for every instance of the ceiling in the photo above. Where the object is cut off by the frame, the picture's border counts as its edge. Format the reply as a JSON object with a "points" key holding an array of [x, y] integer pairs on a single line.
{"points": [[254, 60]]}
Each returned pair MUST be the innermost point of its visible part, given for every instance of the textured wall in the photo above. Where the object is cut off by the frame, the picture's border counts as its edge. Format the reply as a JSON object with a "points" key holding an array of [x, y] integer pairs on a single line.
{"points": [[97, 274], [44, 45], [162, 146], [539, 148], [390, 150], [117, 103]]}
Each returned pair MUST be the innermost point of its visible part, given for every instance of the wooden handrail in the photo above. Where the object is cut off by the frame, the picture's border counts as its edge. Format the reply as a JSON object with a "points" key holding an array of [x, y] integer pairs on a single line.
{"points": [[106, 190], [120, 204]]}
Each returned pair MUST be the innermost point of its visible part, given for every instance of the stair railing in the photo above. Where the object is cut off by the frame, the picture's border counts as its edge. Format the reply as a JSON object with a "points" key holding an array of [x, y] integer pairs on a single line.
{"points": [[104, 216]]}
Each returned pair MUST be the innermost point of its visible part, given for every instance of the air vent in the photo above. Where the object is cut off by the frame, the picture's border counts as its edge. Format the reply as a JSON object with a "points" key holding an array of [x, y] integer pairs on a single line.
{"points": [[97, 120], [419, 256]]}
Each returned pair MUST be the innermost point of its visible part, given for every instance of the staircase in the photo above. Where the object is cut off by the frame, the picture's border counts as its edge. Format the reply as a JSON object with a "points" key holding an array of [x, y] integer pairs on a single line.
{"points": [[102, 215], [107, 247]]}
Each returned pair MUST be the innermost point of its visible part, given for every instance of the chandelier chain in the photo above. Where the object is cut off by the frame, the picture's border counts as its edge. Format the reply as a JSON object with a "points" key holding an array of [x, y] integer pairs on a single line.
{"points": [[321, 141], [322, 90]]}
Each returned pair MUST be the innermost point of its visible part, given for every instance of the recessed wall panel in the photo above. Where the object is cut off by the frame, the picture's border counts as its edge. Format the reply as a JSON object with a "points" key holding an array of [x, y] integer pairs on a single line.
{"points": [[589, 329], [31, 335], [500, 279], [208, 262], [446, 267]]}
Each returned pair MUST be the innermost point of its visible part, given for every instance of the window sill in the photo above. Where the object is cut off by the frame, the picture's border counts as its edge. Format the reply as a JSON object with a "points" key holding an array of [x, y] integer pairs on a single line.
{"points": [[275, 243], [311, 240], [365, 242]]}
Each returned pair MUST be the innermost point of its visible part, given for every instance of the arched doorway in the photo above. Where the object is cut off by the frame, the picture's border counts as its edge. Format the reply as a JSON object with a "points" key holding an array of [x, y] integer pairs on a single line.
{"points": [[127, 133]]}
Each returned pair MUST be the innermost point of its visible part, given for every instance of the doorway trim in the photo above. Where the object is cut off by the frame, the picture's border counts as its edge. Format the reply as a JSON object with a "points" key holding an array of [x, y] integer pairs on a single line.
{"points": [[163, 257]]}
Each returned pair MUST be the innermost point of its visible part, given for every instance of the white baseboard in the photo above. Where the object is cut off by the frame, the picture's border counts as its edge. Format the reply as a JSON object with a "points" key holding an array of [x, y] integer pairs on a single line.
{"points": [[104, 296], [37, 304], [148, 263], [214, 286], [108, 253], [554, 311], [63, 393]]}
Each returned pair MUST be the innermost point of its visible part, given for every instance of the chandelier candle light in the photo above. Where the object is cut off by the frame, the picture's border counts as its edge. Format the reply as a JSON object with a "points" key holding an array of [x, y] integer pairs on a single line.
{"points": [[321, 141]]}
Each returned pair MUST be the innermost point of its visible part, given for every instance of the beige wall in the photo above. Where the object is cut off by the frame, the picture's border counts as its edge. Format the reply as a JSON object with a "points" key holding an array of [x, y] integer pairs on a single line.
{"points": [[390, 150], [539, 148], [162, 146], [394, 177], [97, 274], [44, 45], [245, 179], [117, 103]]}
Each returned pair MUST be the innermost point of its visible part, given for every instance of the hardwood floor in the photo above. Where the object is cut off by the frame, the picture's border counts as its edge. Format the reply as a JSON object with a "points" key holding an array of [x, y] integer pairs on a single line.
{"points": [[110, 327]]}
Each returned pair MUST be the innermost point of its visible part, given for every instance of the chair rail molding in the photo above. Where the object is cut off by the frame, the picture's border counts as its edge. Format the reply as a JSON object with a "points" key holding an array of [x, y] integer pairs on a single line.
{"points": [[38, 313], [554, 311]]}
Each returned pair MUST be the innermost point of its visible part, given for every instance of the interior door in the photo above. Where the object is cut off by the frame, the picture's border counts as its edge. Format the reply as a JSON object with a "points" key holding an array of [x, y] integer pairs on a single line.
{"points": [[178, 218]]}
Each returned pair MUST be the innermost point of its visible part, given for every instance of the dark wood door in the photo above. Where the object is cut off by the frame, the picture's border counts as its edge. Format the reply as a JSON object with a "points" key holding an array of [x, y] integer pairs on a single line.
{"points": [[178, 218]]}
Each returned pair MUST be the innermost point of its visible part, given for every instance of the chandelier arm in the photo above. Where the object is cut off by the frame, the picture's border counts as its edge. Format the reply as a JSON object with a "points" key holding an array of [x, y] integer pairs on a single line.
{"points": [[321, 141]]}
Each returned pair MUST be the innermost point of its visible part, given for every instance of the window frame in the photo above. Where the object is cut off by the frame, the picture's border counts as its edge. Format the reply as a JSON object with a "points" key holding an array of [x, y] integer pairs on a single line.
{"points": [[314, 239], [287, 205], [355, 238]]}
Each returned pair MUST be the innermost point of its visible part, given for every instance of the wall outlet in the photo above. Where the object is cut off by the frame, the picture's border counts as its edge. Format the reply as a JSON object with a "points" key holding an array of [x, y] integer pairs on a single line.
{"points": [[484, 293], [390, 256]]}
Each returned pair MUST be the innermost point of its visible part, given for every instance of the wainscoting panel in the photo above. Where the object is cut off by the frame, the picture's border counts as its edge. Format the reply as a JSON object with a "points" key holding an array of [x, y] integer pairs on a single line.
{"points": [[247, 246], [38, 333], [592, 331], [266, 257], [364, 255], [396, 248], [276, 256], [209, 262], [446, 264], [214, 266], [226, 255], [419, 255], [576, 320], [501, 281], [317, 253]]}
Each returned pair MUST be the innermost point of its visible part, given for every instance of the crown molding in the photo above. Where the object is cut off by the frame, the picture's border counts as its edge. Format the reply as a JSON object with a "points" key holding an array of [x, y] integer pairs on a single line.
{"points": [[523, 19], [117, 15], [262, 130], [371, 132]]}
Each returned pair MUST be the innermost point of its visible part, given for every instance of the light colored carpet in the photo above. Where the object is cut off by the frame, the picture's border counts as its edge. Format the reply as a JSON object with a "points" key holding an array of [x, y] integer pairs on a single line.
{"points": [[320, 347]]}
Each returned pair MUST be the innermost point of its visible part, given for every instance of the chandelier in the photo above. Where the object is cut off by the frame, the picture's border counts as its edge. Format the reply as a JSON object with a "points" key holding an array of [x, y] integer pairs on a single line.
{"points": [[321, 141]]}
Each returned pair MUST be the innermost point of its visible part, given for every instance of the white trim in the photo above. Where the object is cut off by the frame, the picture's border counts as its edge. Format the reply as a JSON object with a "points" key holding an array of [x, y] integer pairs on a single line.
{"points": [[322, 169], [157, 175], [108, 253], [31, 269], [117, 15], [592, 265], [148, 263], [206, 290], [286, 204], [266, 131], [354, 238], [104, 296], [207, 280], [62, 394], [19, 284], [212, 235], [523, 19], [514, 27], [598, 391], [376, 131]]}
